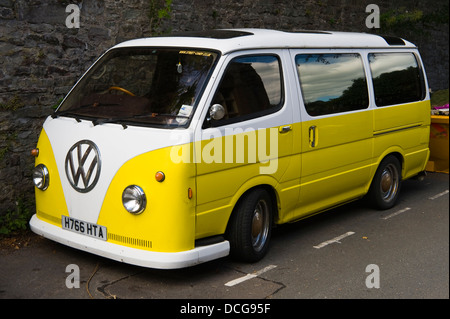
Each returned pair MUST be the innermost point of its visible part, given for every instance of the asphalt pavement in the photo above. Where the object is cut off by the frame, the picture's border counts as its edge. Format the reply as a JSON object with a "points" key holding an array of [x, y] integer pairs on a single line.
{"points": [[352, 252]]}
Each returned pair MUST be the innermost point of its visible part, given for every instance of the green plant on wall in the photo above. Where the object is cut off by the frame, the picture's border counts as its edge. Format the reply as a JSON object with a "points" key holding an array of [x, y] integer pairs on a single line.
{"points": [[400, 19], [159, 11], [13, 104], [7, 140], [415, 21], [439, 98], [15, 220]]}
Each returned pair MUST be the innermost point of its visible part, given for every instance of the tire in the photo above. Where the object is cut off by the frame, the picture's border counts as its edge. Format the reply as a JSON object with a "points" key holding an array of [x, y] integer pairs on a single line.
{"points": [[250, 226], [386, 183]]}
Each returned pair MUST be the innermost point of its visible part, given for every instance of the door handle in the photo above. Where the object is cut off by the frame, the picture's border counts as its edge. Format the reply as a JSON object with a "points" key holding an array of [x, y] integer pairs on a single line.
{"points": [[285, 129], [313, 136]]}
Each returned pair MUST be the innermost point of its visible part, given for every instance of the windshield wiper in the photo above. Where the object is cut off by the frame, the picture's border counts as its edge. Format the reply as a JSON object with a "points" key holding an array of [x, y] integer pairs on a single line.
{"points": [[119, 119], [72, 111]]}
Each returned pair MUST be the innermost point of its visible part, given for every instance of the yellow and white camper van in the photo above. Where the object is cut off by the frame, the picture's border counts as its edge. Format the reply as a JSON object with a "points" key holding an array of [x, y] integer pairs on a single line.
{"points": [[173, 151]]}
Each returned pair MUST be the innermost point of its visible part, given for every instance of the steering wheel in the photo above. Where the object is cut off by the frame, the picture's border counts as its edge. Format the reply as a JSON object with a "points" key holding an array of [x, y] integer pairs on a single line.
{"points": [[118, 88]]}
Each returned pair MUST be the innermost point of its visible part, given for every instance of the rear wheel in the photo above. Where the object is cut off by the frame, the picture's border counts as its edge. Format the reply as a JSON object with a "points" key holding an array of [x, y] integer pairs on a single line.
{"points": [[251, 226], [386, 183]]}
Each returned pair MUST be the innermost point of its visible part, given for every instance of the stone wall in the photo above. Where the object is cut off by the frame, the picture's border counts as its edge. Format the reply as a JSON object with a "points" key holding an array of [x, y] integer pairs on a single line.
{"points": [[40, 58]]}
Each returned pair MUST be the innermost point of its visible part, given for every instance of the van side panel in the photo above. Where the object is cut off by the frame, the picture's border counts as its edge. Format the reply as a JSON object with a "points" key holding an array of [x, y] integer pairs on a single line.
{"points": [[398, 117], [338, 167], [404, 129], [230, 165]]}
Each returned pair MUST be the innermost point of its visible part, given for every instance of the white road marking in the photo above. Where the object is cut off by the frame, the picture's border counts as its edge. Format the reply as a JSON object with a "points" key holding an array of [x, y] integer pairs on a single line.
{"points": [[249, 276], [396, 213], [334, 240], [439, 195]]}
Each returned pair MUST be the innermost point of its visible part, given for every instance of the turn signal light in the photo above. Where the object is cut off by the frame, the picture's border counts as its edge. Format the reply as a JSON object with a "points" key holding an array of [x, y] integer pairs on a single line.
{"points": [[160, 177], [35, 152]]}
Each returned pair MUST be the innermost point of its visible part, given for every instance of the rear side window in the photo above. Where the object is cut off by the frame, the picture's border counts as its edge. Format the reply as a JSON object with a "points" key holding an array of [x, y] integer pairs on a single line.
{"points": [[332, 83], [250, 87], [397, 78]]}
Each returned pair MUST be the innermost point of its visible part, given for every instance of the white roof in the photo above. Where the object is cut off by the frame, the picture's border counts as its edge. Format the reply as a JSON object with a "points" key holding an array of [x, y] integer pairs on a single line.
{"points": [[228, 40]]}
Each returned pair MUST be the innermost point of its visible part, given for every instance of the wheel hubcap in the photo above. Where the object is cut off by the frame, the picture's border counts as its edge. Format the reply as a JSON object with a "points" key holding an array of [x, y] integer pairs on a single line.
{"points": [[386, 182], [260, 225], [389, 182]]}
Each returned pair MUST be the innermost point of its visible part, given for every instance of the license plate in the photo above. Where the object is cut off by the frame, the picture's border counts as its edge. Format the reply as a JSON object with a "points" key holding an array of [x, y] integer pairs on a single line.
{"points": [[85, 228]]}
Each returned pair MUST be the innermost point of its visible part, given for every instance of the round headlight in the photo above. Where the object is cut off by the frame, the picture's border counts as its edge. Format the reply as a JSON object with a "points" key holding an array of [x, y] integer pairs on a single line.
{"points": [[134, 200], [41, 178]]}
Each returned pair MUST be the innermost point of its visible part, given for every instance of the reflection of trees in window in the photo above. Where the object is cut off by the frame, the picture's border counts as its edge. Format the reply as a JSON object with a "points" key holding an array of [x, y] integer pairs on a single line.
{"points": [[396, 85], [355, 97], [332, 83]]}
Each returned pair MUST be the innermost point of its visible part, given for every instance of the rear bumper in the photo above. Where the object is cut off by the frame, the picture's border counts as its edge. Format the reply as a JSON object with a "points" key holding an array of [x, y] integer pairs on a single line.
{"points": [[129, 255]]}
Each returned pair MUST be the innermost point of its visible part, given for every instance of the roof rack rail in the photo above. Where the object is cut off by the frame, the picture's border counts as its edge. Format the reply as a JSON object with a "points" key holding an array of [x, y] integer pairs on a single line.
{"points": [[212, 34]]}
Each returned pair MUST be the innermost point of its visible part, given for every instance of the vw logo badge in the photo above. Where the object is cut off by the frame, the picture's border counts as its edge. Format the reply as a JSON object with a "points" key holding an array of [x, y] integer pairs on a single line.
{"points": [[83, 166]]}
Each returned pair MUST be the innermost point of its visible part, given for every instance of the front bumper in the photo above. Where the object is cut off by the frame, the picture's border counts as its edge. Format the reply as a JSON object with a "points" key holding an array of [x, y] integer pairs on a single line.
{"points": [[129, 255]]}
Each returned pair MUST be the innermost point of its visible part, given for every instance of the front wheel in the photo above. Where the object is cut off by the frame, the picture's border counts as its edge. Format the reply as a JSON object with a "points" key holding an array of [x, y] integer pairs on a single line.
{"points": [[386, 183], [250, 226]]}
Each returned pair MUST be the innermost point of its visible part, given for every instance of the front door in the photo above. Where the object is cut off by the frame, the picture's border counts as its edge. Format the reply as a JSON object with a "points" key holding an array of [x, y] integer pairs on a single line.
{"points": [[249, 144]]}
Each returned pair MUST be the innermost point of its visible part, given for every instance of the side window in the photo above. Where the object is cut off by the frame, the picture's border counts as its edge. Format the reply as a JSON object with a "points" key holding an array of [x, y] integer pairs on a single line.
{"points": [[250, 87], [332, 83], [397, 78]]}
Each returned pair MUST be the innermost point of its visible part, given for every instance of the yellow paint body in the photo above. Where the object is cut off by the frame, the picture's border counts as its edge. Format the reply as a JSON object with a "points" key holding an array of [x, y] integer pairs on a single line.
{"points": [[307, 179], [339, 168]]}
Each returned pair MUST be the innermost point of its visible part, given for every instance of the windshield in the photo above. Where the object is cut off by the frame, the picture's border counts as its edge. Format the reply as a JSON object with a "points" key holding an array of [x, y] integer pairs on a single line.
{"points": [[141, 86]]}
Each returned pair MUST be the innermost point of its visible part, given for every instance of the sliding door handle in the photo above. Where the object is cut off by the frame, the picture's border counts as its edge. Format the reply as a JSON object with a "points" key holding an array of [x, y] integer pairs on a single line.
{"points": [[313, 136]]}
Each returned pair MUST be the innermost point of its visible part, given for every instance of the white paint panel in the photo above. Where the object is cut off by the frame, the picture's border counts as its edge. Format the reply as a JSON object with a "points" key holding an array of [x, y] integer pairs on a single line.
{"points": [[116, 146]]}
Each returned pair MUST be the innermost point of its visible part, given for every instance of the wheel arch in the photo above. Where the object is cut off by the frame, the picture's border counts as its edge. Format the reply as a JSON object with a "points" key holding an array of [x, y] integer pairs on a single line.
{"points": [[269, 187], [398, 153]]}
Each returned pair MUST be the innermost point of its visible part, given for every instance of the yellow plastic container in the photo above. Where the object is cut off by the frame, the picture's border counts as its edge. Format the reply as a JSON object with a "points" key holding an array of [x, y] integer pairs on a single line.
{"points": [[439, 144]]}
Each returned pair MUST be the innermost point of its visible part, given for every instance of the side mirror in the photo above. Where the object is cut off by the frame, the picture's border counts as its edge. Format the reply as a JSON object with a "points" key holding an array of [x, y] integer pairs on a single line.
{"points": [[217, 112]]}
